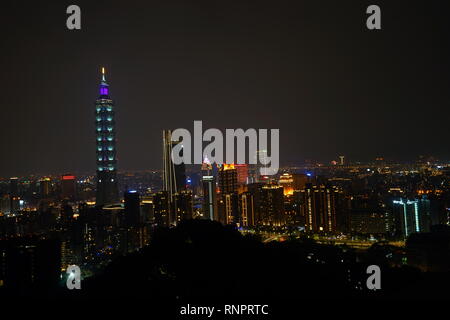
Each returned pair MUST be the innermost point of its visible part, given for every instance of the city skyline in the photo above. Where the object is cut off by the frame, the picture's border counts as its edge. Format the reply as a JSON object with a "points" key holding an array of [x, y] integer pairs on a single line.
{"points": [[212, 159], [335, 88]]}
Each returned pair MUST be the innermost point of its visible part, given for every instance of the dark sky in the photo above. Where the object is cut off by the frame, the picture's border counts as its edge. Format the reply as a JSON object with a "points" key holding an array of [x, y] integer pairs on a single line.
{"points": [[309, 68]]}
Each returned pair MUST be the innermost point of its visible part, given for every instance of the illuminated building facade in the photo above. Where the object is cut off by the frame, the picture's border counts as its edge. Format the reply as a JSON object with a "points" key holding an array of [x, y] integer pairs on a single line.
{"points": [[209, 191], [272, 206], [287, 182], [183, 205], [228, 198], [174, 176], [107, 190], [209, 198], [319, 208], [410, 216], [228, 208], [44, 187], [174, 179], [247, 209], [161, 208], [68, 187], [228, 179]]}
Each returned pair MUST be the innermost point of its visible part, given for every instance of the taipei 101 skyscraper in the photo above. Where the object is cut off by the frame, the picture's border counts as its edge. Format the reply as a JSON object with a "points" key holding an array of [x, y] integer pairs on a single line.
{"points": [[107, 190]]}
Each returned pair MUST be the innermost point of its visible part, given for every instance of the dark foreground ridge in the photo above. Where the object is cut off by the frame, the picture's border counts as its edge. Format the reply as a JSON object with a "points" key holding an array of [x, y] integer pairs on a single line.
{"points": [[203, 260]]}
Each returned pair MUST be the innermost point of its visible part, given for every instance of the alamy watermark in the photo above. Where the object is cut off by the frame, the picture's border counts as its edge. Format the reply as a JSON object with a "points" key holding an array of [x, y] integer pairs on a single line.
{"points": [[73, 21], [73, 277], [256, 140], [374, 280]]}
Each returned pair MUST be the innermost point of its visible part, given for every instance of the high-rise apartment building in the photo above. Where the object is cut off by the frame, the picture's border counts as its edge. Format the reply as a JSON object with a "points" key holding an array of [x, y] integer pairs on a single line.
{"points": [[319, 208], [409, 216]]}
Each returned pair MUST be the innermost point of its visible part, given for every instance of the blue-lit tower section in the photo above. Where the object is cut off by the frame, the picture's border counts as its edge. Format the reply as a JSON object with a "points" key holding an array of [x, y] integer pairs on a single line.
{"points": [[107, 190]]}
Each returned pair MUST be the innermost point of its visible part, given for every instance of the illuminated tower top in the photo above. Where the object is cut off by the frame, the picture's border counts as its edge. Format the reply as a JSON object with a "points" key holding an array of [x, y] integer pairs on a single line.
{"points": [[104, 87]]}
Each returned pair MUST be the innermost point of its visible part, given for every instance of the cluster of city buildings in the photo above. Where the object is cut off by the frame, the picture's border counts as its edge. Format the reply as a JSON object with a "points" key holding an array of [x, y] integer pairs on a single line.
{"points": [[97, 218]]}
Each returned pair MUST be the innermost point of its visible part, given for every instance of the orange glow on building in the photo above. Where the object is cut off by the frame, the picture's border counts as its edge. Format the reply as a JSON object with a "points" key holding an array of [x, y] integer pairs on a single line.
{"points": [[437, 191], [288, 191], [228, 166], [286, 181]]}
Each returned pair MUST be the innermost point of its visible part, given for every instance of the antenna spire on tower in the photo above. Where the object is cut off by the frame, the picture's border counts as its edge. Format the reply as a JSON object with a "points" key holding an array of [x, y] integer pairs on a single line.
{"points": [[103, 74]]}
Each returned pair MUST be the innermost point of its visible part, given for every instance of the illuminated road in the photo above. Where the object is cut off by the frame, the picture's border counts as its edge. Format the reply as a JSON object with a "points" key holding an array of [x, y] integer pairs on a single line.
{"points": [[357, 244]]}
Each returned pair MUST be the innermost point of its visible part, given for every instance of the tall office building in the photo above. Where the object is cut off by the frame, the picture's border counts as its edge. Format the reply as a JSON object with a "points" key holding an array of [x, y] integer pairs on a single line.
{"points": [[286, 181], [247, 209], [132, 208], [272, 205], [319, 207], [409, 216], [174, 174], [68, 187], [161, 208], [183, 205], [45, 187], [107, 190], [228, 179], [257, 195], [132, 219], [209, 198], [209, 191], [292, 182], [228, 206]]}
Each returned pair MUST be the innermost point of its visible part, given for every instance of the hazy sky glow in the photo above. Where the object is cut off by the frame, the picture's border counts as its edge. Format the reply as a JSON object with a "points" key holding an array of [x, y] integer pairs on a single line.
{"points": [[309, 68]]}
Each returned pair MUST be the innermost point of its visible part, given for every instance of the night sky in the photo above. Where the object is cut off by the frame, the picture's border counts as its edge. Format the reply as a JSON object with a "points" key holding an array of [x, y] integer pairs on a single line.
{"points": [[309, 68]]}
